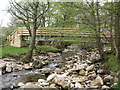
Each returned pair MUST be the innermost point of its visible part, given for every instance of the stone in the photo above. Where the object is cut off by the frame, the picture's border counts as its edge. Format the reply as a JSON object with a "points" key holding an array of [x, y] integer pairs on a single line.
{"points": [[94, 57], [99, 79], [80, 79], [90, 68], [20, 84], [109, 79], [27, 66], [100, 71], [30, 85], [17, 67], [72, 85], [61, 81], [41, 80], [82, 72], [45, 63], [50, 77], [92, 76], [52, 86], [78, 85], [8, 69], [80, 66], [95, 83], [94, 87], [105, 86], [42, 84], [46, 71], [2, 65], [58, 71], [37, 64]]}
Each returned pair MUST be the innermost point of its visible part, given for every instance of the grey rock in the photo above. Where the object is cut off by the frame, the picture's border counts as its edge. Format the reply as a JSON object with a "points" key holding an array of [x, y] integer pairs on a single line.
{"points": [[61, 81], [30, 85], [78, 85]]}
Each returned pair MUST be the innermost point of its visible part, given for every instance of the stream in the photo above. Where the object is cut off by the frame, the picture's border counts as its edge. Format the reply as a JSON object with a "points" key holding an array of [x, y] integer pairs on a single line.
{"points": [[10, 80]]}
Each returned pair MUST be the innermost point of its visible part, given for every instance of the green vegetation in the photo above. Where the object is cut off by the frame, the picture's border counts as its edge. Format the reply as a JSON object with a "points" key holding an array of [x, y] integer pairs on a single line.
{"points": [[9, 50], [112, 63], [47, 48]]}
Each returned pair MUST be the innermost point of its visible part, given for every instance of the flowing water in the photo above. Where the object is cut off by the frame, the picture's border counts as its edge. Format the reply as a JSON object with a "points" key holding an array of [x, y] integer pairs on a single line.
{"points": [[11, 79]]}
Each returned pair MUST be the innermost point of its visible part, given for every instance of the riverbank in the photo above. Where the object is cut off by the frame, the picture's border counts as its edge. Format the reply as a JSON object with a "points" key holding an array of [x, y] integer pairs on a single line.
{"points": [[73, 68]]}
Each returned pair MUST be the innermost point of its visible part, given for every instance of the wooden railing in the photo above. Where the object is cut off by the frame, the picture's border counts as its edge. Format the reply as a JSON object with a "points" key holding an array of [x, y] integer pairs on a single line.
{"points": [[59, 32]]}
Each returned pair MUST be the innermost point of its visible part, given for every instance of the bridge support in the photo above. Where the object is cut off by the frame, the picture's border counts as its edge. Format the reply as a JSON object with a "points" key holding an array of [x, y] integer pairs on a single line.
{"points": [[16, 40]]}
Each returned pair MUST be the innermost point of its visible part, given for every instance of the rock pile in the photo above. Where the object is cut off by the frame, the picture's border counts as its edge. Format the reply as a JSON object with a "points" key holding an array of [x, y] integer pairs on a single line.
{"points": [[11, 65], [81, 70]]}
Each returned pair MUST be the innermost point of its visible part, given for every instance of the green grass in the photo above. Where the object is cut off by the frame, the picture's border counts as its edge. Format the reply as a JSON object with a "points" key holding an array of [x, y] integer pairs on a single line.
{"points": [[47, 48], [9, 50], [112, 63]]}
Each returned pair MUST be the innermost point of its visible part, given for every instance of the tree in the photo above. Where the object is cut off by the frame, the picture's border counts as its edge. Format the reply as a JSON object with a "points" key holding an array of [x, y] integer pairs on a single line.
{"points": [[30, 13], [117, 30]]}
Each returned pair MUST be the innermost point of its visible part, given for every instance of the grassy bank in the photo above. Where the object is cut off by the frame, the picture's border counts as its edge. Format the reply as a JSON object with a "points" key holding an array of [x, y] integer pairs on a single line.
{"points": [[9, 50], [112, 65]]}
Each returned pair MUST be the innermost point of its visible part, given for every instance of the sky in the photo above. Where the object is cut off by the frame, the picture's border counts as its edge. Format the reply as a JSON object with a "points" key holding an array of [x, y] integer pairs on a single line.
{"points": [[5, 16]]}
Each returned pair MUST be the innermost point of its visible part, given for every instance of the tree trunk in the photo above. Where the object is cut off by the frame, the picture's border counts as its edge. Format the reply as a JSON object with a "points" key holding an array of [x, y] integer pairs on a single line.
{"points": [[111, 31], [117, 31]]}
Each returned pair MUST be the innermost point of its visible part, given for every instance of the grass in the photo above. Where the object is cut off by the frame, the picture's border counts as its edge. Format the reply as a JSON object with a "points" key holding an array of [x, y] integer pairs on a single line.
{"points": [[47, 48], [112, 63], [9, 50]]}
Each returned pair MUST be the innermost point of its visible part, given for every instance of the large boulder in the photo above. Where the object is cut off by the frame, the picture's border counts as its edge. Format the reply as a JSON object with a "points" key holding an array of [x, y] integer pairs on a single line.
{"points": [[61, 82]]}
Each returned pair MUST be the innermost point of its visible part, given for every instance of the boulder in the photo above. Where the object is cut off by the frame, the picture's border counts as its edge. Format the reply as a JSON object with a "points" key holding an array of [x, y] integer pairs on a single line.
{"points": [[58, 71], [27, 66], [78, 85], [61, 82], [2, 65], [94, 57], [20, 84], [100, 71], [90, 68], [50, 77], [41, 80], [99, 79], [95, 83], [80, 66], [105, 86], [30, 85], [109, 79], [82, 72], [52, 86], [8, 67], [43, 84]]}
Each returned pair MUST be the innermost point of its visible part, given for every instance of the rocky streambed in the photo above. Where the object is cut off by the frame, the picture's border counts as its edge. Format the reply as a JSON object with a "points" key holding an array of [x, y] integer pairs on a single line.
{"points": [[73, 68]]}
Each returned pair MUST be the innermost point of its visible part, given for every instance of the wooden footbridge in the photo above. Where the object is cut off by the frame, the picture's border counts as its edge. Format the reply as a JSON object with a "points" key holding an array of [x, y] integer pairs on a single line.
{"points": [[17, 38]]}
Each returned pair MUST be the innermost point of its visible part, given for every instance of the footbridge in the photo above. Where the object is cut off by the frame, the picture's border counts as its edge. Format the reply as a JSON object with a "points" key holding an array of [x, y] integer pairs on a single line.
{"points": [[18, 37]]}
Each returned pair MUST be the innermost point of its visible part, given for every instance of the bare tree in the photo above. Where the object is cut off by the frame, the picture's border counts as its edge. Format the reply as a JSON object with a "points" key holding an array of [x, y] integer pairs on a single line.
{"points": [[30, 13]]}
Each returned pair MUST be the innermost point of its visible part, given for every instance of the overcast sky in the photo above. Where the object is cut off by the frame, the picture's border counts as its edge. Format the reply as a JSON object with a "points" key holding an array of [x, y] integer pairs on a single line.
{"points": [[5, 17]]}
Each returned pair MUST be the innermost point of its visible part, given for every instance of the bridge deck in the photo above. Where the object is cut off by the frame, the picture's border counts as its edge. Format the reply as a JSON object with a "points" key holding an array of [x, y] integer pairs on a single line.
{"points": [[14, 39]]}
